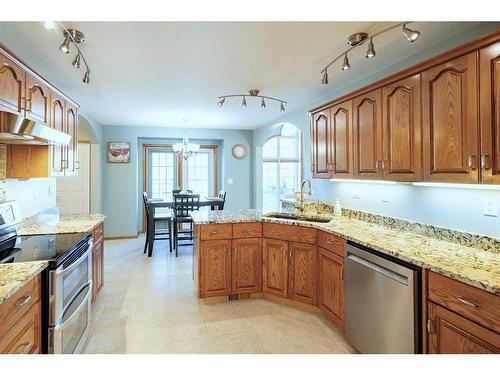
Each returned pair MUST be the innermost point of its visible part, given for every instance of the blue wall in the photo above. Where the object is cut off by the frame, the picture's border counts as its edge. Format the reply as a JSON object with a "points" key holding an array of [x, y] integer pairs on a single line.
{"points": [[122, 183], [454, 208]]}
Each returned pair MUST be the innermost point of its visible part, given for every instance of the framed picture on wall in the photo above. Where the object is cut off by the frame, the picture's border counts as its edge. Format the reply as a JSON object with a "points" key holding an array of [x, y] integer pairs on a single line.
{"points": [[118, 152]]}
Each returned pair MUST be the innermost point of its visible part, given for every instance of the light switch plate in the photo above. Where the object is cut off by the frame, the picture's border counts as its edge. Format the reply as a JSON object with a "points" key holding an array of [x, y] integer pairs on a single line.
{"points": [[230, 181], [52, 191], [490, 207]]}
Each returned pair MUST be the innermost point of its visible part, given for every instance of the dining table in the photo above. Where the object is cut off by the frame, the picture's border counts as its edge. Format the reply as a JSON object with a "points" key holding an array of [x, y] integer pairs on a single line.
{"points": [[214, 203]]}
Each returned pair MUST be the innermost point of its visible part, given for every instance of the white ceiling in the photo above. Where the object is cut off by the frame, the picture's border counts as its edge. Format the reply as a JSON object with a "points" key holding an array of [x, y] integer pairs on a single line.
{"points": [[157, 73]]}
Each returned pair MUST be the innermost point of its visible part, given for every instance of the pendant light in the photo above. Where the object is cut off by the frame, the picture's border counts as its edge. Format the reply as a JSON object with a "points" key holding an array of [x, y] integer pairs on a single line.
{"points": [[86, 77], [263, 103], [324, 79], [186, 148], [371, 50], [282, 107], [221, 102], [76, 61], [411, 35], [254, 93], [64, 47], [244, 102], [346, 65]]}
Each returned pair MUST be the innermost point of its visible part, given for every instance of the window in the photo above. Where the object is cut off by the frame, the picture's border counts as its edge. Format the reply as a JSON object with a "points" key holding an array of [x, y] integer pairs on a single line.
{"points": [[165, 172], [282, 167]]}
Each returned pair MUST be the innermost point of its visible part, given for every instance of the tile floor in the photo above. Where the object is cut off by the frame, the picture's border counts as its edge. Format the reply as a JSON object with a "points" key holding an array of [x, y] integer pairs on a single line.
{"points": [[148, 305]]}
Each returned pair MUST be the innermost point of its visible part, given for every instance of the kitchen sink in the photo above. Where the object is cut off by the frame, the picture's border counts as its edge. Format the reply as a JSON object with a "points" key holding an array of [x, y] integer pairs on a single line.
{"points": [[280, 215]]}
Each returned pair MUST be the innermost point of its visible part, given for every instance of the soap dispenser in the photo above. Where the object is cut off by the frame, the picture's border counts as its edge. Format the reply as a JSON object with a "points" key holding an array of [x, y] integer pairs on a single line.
{"points": [[337, 210]]}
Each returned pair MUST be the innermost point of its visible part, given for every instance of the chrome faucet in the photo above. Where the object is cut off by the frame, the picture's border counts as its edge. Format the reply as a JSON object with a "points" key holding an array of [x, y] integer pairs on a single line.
{"points": [[309, 192]]}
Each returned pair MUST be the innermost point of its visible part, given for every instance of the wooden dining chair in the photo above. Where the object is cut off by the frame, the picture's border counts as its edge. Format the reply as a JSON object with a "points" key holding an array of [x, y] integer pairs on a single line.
{"points": [[184, 204], [155, 233], [222, 195]]}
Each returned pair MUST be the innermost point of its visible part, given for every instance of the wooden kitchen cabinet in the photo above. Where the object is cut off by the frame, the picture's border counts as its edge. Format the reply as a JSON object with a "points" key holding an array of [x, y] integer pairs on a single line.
{"points": [[331, 285], [321, 145], [12, 84], [246, 273], [57, 121], [341, 140], [97, 261], [37, 100], [449, 333], [71, 163], [367, 124], [275, 267], [450, 119], [302, 271], [402, 130], [489, 71], [215, 268]]}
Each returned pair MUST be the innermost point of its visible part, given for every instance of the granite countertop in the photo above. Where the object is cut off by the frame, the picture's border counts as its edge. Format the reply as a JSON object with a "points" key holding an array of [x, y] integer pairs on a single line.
{"points": [[14, 276], [473, 266], [51, 222]]}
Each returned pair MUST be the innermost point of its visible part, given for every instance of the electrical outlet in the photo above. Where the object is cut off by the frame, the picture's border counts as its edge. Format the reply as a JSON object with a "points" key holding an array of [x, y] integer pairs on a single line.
{"points": [[230, 181], [356, 196], [490, 207]]}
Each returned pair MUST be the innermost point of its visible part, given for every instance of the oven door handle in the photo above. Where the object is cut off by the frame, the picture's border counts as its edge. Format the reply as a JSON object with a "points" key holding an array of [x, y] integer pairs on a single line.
{"points": [[61, 270], [84, 302]]}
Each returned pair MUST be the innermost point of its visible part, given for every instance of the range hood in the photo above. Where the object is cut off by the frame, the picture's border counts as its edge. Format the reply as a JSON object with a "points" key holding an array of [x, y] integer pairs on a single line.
{"points": [[16, 129]]}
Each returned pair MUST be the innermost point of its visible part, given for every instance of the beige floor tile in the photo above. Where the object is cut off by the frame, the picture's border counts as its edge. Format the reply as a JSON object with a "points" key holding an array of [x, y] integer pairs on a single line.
{"points": [[245, 342]]}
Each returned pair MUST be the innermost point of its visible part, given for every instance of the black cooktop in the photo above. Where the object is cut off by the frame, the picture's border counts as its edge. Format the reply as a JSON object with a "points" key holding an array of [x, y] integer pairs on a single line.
{"points": [[52, 247]]}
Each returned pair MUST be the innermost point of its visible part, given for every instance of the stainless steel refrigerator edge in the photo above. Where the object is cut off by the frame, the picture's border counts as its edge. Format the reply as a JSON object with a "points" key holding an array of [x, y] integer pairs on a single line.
{"points": [[381, 303]]}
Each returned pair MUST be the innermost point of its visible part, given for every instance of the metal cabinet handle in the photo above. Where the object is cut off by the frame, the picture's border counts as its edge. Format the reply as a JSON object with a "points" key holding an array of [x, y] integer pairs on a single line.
{"points": [[485, 165], [229, 252], [429, 326], [214, 233], [23, 301], [284, 253], [247, 231], [77, 165], [466, 302], [471, 162], [329, 242], [26, 346]]}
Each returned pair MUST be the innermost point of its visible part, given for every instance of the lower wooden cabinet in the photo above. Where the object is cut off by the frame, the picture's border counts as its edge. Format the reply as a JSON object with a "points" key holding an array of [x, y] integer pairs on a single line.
{"points": [[215, 268], [303, 265], [97, 261], [449, 333], [246, 270], [275, 266], [331, 285]]}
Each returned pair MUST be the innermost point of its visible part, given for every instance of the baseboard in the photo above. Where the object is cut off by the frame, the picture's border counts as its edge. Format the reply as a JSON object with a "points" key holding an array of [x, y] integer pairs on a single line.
{"points": [[121, 237]]}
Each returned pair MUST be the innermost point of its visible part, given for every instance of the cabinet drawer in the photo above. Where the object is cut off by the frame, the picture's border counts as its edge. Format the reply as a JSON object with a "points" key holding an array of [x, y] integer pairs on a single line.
{"points": [[216, 231], [98, 232], [331, 242], [247, 230], [473, 303], [289, 233], [24, 336], [18, 304]]}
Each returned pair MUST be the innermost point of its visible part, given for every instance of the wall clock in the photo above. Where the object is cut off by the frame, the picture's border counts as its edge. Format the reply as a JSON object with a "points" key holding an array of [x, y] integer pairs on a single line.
{"points": [[239, 151]]}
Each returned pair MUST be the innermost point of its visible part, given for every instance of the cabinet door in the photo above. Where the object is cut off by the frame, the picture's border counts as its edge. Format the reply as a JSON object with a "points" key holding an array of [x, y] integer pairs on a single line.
{"points": [[490, 113], [303, 275], [341, 140], [12, 83], [331, 285], [402, 130], [275, 266], [450, 121], [71, 152], [452, 334], [37, 100], [95, 272], [320, 147], [367, 122], [57, 121], [215, 268], [247, 265]]}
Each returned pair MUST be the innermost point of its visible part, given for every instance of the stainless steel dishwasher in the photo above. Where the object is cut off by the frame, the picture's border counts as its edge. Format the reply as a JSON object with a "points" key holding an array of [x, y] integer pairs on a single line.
{"points": [[382, 310]]}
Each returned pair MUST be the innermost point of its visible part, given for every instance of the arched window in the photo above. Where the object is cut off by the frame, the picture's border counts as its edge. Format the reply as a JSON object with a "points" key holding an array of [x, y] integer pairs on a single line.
{"points": [[282, 165]]}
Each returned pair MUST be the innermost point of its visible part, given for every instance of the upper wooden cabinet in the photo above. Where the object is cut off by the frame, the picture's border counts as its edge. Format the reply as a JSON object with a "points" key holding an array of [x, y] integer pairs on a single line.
{"points": [[57, 121], [321, 143], [12, 84], [450, 118], [37, 100], [489, 70], [341, 140], [367, 123], [71, 163], [402, 128]]}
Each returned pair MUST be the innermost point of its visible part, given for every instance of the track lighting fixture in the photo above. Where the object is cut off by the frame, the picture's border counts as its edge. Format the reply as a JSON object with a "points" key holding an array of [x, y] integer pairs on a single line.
{"points": [[324, 79], [346, 65], [411, 35], [371, 50], [86, 77], [72, 36], [64, 47], [252, 94], [357, 39], [76, 61]]}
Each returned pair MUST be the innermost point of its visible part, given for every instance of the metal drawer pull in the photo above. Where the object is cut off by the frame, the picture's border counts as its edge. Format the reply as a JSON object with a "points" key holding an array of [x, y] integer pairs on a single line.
{"points": [[23, 301], [247, 231], [466, 302], [214, 233], [329, 242], [26, 347]]}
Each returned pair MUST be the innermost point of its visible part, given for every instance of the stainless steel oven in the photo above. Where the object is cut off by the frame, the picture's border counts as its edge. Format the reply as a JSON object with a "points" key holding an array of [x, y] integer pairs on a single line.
{"points": [[70, 288]]}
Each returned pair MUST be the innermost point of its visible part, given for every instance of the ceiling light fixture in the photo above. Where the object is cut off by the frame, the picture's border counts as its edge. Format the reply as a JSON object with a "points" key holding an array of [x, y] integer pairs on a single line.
{"points": [[252, 94], [75, 37], [186, 148], [371, 50], [358, 39]]}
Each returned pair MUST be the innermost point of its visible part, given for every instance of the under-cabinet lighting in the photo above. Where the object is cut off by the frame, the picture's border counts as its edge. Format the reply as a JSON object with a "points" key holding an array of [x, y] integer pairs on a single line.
{"points": [[381, 182], [457, 186]]}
